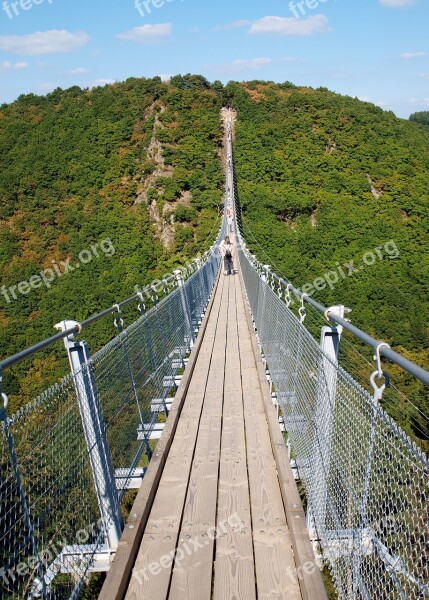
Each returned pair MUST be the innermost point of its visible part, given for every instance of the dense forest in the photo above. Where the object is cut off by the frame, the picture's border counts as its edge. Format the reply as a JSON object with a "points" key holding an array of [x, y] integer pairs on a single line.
{"points": [[420, 117], [334, 196], [124, 181], [327, 185]]}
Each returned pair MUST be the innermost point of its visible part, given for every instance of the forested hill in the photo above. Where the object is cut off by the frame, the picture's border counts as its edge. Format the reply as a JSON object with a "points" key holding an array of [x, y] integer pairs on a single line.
{"points": [[328, 185], [125, 181], [335, 195], [326, 181]]}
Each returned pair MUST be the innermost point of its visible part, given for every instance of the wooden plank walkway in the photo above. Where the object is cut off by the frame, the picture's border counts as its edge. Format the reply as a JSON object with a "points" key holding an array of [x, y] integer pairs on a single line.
{"points": [[216, 526]]}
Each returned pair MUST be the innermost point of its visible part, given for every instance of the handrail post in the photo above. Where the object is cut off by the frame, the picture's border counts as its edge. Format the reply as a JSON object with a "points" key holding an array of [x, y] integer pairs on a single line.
{"points": [[95, 436], [185, 306], [324, 423]]}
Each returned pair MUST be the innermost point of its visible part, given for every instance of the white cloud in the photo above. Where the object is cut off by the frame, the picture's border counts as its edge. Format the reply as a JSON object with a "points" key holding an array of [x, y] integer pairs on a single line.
{"points": [[48, 86], [416, 103], [44, 42], [286, 26], [253, 63], [397, 3], [147, 34], [78, 71], [409, 55], [7, 66], [100, 82], [380, 103], [241, 64], [234, 25], [425, 75], [290, 59]]}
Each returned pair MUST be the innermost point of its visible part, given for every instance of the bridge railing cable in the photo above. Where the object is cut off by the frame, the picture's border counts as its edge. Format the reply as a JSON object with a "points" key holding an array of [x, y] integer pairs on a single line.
{"points": [[68, 458]]}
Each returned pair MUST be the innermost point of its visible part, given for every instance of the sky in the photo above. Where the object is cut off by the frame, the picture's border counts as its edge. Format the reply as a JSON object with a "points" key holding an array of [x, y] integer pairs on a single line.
{"points": [[376, 50]]}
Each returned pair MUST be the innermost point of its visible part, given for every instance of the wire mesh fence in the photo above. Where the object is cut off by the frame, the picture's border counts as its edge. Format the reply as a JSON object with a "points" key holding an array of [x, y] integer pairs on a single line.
{"points": [[366, 481], [67, 457]]}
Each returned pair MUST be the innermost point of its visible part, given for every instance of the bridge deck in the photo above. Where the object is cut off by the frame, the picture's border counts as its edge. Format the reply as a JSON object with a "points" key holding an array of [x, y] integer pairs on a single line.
{"points": [[218, 508]]}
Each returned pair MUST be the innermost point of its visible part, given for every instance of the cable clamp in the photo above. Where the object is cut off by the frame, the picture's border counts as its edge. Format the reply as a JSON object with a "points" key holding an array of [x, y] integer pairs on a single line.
{"points": [[288, 296], [379, 373], [141, 307], [118, 320], [302, 310]]}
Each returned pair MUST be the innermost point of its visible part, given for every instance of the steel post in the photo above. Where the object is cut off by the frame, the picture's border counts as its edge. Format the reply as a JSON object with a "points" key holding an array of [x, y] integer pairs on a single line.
{"points": [[324, 422], [95, 436], [186, 310]]}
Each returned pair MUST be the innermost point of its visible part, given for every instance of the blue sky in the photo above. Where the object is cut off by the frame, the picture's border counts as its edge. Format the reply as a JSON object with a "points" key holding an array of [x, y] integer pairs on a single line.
{"points": [[377, 50]]}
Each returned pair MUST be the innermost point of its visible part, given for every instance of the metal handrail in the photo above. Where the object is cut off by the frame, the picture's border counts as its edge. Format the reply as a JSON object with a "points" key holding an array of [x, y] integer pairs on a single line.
{"points": [[398, 359]]}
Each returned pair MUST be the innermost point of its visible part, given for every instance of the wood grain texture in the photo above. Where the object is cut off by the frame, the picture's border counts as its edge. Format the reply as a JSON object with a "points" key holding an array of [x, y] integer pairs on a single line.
{"points": [[225, 522], [274, 559], [234, 573], [310, 581]]}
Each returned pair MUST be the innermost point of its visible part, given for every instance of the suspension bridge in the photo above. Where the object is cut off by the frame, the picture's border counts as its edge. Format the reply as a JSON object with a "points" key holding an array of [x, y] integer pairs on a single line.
{"points": [[212, 405]]}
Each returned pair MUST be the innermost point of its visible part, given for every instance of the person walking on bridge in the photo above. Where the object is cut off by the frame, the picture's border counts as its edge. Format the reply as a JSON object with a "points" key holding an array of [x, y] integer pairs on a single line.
{"points": [[226, 249]]}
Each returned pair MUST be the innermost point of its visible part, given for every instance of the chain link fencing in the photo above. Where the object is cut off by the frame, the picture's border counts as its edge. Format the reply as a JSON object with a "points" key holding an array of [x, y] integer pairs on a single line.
{"points": [[66, 459], [366, 481]]}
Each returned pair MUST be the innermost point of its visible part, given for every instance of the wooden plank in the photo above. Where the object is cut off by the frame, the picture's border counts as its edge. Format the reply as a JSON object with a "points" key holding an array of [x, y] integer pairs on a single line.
{"points": [[234, 573], [234, 567], [152, 569], [310, 581], [275, 566], [192, 573], [192, 577], [164, 523], [274, 560]]}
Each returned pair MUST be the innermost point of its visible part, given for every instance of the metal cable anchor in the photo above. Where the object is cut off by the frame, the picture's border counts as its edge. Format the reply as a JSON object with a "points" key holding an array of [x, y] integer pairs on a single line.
{"points": [[302, 310], [118, 320], [379, 373], [141, 307], [288, 295]]}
